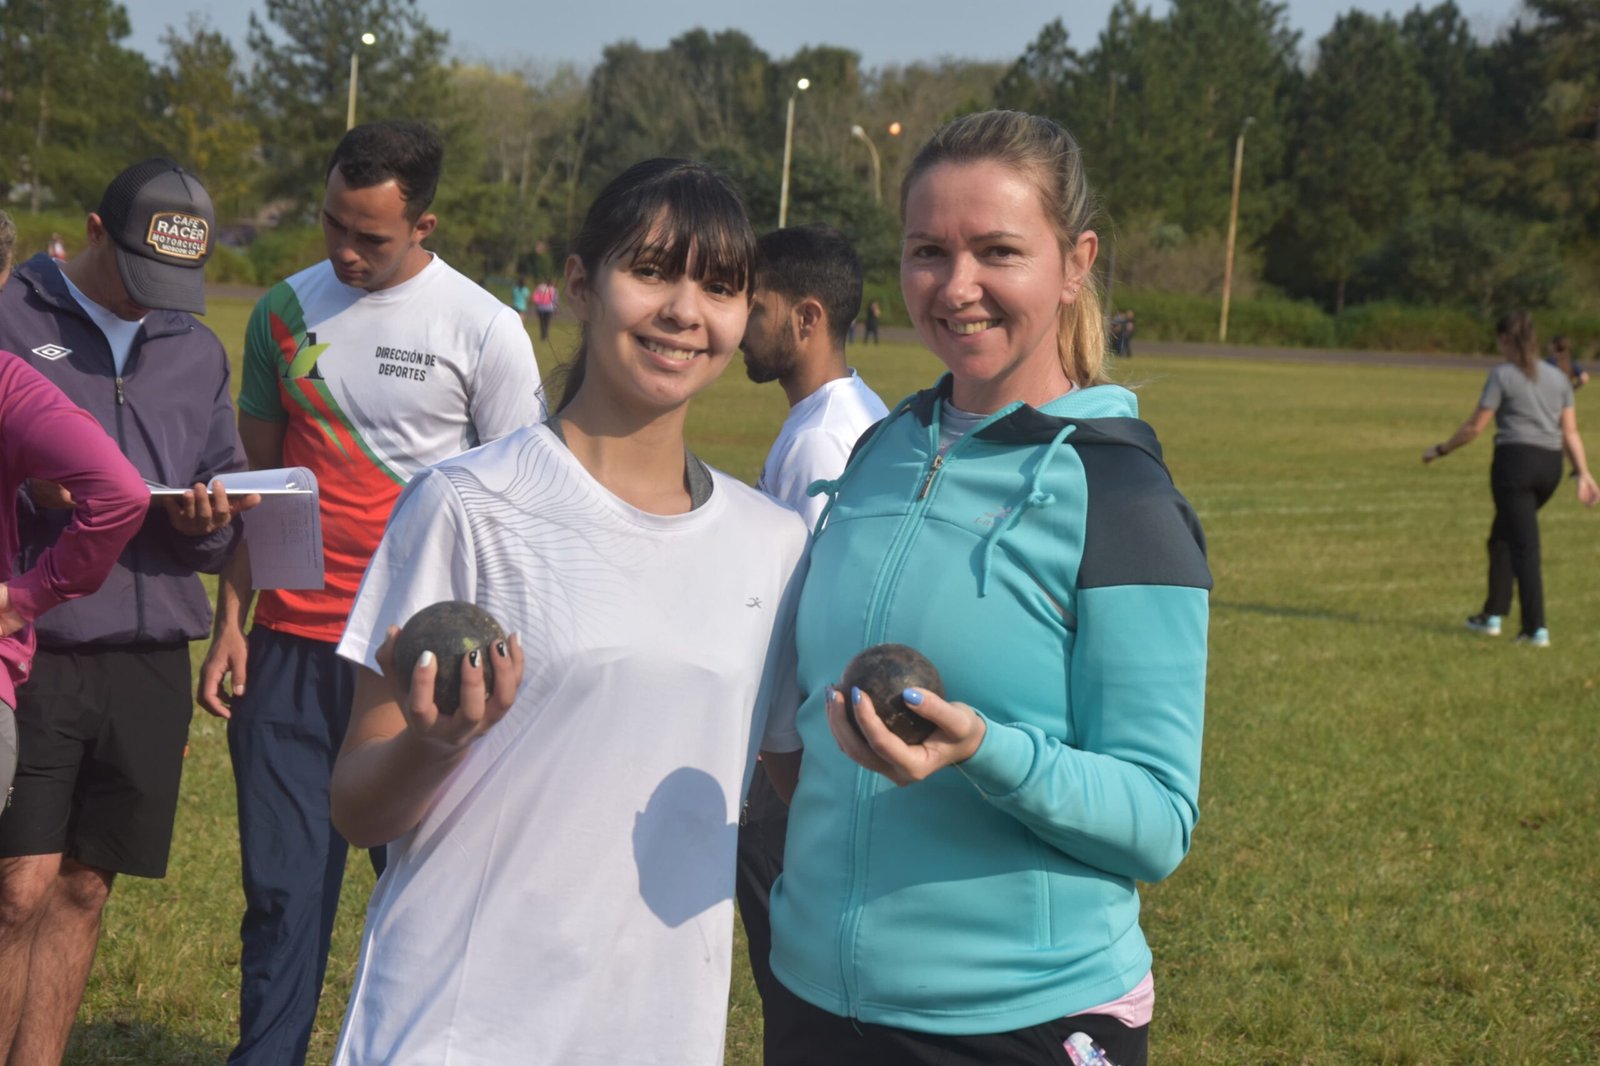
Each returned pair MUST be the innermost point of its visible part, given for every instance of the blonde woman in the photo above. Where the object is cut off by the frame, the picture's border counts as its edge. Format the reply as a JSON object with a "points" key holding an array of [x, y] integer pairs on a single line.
{"points": [[971, 898]]}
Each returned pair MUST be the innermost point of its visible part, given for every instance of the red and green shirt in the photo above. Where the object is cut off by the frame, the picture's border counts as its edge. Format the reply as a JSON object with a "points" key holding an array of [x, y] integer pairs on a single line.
{"points": [[375, 386]]}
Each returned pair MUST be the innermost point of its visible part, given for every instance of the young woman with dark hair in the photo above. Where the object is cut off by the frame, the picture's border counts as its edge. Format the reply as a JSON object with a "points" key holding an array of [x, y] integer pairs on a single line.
{"points": [[561, 849], [1530, 403]]}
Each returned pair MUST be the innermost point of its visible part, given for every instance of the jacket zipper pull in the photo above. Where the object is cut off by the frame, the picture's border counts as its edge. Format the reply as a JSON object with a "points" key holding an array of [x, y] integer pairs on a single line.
{"points": [[120, 400], [927, 482]]}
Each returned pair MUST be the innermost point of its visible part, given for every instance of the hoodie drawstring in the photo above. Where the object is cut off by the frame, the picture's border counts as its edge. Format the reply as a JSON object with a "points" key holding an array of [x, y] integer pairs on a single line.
{"points": [[1036, 497]]}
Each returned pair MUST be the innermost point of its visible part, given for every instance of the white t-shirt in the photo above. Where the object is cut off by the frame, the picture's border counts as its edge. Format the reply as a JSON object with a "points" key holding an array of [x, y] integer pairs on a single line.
{"points": [[568, 896], [119, 332], [815, 442], [371, 388]]}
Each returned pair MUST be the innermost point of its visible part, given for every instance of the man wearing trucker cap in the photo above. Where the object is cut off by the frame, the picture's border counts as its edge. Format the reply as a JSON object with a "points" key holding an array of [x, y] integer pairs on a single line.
{"points": [[103, 720]]}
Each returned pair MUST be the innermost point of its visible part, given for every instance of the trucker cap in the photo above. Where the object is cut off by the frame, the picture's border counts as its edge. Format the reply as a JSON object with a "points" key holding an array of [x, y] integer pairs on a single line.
{"points": [[160, 220]]}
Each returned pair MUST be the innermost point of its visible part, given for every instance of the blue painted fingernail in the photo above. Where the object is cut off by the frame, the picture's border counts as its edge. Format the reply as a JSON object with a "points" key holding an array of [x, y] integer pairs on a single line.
{"points": [[855, 694], [425, 660], [911, 696]]}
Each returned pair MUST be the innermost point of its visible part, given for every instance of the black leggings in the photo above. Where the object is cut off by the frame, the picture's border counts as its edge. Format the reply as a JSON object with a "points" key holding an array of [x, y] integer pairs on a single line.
{"points": [[1521, 478]]}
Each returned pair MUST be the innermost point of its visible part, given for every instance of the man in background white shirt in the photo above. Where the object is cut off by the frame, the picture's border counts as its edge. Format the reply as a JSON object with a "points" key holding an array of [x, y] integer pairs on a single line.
{"points": [[808, 291]]}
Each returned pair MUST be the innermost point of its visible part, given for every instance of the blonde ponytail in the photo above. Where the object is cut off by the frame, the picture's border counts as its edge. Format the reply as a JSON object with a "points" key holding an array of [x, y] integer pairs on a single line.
{"points": [[1082, 337]]}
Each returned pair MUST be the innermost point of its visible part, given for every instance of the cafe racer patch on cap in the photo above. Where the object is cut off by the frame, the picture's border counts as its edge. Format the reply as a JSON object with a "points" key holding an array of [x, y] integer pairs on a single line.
{"points": [[179, 236]]}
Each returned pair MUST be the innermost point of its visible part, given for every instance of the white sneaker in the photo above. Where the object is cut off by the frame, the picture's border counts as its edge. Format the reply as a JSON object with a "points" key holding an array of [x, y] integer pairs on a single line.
{"points": [[1487, 624], [1539, 638]]}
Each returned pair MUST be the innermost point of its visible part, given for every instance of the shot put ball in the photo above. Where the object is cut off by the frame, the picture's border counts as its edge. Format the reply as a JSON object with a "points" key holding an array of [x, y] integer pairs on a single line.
{"points": [[883, 672], [450, 630]]}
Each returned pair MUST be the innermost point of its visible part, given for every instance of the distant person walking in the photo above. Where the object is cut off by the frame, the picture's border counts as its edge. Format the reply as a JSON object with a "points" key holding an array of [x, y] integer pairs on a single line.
{"points": [[874, 315], [57, 248], [519, 298], [1122, 327], [1561, 359], [1531, 404], [545, 299]]}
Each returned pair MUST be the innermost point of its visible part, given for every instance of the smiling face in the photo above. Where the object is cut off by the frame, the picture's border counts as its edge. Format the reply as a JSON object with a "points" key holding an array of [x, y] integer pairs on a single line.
{"points": [[371, 242], [654, 339], [985, 280]]}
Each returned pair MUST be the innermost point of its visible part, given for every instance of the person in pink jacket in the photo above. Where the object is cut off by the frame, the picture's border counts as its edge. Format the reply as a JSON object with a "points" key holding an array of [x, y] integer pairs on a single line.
{"points": [[46, 436]]}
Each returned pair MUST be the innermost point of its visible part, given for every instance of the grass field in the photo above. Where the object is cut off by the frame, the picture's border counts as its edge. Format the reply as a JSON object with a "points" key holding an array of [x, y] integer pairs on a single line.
{"points": [[1396, 860]]}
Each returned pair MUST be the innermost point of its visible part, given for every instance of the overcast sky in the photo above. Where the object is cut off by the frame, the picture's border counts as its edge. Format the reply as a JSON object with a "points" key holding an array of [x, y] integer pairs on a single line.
{"points": [[882, 32]]}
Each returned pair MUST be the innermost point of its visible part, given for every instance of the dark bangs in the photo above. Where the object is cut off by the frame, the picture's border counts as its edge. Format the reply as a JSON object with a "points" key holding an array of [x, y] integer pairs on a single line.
{"points": [[681, 217]]}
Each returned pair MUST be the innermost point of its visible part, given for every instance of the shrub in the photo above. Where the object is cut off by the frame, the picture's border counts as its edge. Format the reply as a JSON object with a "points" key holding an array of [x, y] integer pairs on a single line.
{"points": [[230, 266], [1402, 328], [890, 302], [33, 231], [1267, 320], [277, 253], [1157, 256]]}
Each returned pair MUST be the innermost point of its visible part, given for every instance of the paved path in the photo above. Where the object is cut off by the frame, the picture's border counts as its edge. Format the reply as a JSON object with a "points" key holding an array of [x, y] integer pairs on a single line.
{"points": [[906, 335]]}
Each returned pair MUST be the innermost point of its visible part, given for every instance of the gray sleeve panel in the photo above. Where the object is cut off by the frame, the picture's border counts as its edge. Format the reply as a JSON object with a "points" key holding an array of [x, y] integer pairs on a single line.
{"points": [[1140, 530]]}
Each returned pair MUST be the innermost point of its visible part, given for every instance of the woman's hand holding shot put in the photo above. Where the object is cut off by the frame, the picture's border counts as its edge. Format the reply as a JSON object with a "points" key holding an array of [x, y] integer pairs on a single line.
{"points": [[400, 748], [960, 730], [481, 705]]}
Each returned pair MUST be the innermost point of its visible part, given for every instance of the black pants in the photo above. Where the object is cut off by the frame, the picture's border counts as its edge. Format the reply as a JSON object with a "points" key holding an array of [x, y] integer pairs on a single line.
{"points": [[544, 324], [804, 1035], [1521, 478], [761, 835]]}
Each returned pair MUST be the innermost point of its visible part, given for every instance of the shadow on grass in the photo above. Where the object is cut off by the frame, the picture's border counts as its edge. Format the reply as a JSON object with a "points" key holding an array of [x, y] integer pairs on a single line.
{"points": [[105, 1043], [1276, 610]]}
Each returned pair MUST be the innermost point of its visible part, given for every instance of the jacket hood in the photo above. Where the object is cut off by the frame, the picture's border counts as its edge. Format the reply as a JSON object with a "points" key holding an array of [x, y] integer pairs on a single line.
{"points": [[1101, 414]]}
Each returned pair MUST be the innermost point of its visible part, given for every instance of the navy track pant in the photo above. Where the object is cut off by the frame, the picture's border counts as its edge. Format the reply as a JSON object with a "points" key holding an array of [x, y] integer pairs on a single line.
{"points": [[284, 735]]}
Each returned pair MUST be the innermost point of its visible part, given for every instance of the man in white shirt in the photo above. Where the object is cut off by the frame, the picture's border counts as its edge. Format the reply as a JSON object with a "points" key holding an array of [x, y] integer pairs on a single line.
{"points": [[808, 291], [365, 368]]}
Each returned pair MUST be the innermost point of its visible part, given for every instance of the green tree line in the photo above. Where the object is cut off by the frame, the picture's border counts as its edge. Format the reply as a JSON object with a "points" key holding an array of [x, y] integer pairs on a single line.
{"points": [[1392, 160]]}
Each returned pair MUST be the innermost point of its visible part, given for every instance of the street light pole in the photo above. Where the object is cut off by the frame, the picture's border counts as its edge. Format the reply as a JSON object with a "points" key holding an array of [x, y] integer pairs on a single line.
{"points": [[1233, 226], [355, 67], [877, 167], [788, 150]]}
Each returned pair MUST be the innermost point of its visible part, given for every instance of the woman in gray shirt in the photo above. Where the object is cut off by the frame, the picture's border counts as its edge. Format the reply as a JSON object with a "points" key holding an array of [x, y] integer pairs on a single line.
{"points": [[1531, 404]]}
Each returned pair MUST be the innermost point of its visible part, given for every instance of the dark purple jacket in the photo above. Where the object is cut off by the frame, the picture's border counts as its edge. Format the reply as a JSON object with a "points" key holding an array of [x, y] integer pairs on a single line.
{"points": [[172, 416]]}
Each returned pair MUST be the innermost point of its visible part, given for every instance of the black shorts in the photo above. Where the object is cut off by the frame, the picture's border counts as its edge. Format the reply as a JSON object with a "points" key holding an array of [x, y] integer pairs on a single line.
{"points": [[100, 738]]}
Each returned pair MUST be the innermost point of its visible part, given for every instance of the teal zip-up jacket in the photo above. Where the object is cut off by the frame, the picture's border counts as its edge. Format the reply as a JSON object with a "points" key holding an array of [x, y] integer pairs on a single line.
{"points": [[1057, 579]]}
